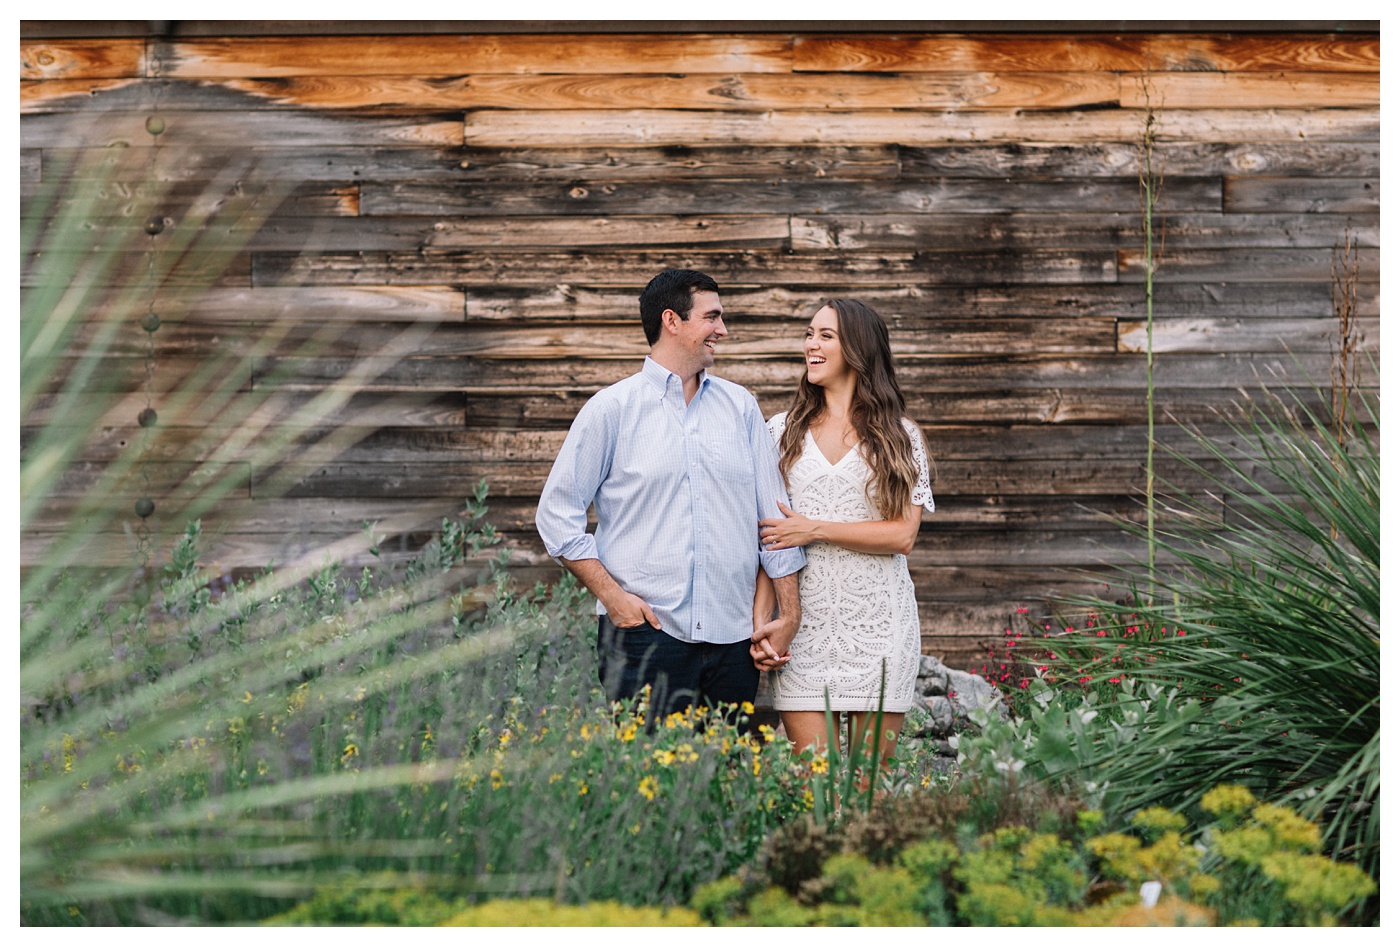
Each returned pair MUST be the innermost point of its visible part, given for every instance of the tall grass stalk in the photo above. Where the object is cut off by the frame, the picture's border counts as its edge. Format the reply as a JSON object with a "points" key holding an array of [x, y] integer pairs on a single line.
{"points": [[1150, 191]]}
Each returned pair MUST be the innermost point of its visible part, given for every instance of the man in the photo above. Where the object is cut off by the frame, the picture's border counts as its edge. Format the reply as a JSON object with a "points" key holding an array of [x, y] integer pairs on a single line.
{"points": [[680, 468]]}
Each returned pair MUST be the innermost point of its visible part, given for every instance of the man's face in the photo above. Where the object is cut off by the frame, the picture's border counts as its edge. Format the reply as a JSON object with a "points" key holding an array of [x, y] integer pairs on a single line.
{"points": [[700, 333]]}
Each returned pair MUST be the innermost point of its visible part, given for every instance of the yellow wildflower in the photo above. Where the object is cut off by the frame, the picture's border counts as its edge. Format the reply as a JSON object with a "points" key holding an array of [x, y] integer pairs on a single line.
{"points": [[819, 764], [746, 707], [628, 733], [664, 757], [505, 739], [585, 732], [351, 750], [555, 777], [582, 788], [1288, 829], [1228, 800], [498, 779], [686, 753], [648, 787]]}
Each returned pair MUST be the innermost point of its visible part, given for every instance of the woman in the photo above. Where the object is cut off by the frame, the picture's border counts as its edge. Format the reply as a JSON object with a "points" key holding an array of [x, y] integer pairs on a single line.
{"points": [[857, 471]]}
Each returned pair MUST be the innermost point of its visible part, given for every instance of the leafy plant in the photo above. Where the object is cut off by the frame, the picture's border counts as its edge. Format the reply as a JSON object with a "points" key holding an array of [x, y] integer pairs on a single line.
{"points": [[1276, 630]]}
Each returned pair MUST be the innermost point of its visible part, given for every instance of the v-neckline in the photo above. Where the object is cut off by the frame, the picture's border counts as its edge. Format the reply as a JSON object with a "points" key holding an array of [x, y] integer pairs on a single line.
{"points": [[822, 454]]}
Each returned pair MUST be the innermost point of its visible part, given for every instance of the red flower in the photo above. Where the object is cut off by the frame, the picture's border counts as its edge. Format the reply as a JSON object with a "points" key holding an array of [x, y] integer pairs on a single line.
{"points": [[1114, 680], [1025, 683]]}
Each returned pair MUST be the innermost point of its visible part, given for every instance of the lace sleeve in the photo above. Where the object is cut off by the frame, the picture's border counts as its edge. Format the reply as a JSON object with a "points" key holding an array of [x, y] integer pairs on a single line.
{"points": [[923, 493], [776, 424]]}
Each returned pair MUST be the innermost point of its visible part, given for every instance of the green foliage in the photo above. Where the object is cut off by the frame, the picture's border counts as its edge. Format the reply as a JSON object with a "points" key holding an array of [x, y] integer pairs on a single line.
{"points": [[539, 912], [402, 720], [1276, 633], [389, 903], [1242, 863]]}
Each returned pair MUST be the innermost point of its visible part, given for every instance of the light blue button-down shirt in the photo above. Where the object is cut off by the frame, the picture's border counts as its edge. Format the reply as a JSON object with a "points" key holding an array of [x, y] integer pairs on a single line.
{"points": [[678, 490]]}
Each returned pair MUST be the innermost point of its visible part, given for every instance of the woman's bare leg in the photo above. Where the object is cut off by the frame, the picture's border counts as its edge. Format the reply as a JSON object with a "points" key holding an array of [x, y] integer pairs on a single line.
{"points": [[861, 725], [805, 728]]}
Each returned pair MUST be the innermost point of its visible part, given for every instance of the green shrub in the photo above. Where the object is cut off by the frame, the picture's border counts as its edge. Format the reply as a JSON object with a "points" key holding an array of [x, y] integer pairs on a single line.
{"points": [[1244, 864], [540, 912]]}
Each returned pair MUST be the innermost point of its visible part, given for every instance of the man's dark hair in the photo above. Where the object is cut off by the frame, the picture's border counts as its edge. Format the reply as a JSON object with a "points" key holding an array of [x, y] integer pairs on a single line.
{"points": [[671, 289]]}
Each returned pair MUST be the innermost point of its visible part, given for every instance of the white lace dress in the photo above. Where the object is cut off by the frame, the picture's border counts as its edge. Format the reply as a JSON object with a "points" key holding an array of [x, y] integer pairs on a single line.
{"points": [[858, 609]]}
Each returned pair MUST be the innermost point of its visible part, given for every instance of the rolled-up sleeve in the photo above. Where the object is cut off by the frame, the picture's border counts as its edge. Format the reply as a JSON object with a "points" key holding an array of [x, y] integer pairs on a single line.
{"points": [[578, 471], [770, 490]]}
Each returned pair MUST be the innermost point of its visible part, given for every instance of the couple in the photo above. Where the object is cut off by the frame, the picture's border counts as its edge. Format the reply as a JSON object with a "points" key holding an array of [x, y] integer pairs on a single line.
{"points": [[698, 560]]}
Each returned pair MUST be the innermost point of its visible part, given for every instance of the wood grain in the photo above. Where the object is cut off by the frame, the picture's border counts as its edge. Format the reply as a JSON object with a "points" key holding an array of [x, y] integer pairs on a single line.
{"points": [[1214, 90], [1123, 159], [1244, 265], [1128, 53], [442, 55], [1350, 195], [239, 130], [947, 195], [1240, 335], [632, 269], [1087, 230], [692, 90], [82, 59], [546, 299], [681, 230], [341, 163], [643, 127]]}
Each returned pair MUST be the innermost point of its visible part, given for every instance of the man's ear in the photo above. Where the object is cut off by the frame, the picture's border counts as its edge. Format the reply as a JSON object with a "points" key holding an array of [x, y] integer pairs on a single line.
{"points": [[670, 320]]}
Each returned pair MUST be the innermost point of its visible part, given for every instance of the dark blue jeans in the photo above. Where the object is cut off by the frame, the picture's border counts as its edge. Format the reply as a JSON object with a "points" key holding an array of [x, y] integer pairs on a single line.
{"points": [[680, 673]]}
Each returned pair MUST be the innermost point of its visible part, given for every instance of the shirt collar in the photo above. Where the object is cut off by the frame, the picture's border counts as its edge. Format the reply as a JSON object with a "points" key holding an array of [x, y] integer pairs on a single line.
{"points": [[661, 376]]}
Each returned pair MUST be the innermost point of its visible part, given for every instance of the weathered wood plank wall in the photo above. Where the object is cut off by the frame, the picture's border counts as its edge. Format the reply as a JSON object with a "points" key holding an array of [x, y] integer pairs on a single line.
{"points": [[465, 220]]}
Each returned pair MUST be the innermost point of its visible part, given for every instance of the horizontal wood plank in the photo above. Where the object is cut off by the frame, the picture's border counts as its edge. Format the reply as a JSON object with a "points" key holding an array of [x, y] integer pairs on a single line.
{"points": [[681, 230], [1350, 195], [346, 408], [643, 127], [535, 91], [965, 444], [1244, 265], [442, 55], [234, 130], [1081, 405], [568, 300], [1214, 90], [1242, 335], [341, 163], [946, 195], [227, 203], [1125, 52], [915, 372], [1124, 158], [632, 269], [1025, 230], [82, 58], [684, 91]]}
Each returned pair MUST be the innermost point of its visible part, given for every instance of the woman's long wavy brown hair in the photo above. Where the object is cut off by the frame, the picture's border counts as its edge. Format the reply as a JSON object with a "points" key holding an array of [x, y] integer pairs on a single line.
{"points": [[877, 408]]}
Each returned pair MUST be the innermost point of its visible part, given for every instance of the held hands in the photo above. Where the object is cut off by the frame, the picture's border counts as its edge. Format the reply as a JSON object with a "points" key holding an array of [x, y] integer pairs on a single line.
{"points": [[770, 643], [793, 529]]}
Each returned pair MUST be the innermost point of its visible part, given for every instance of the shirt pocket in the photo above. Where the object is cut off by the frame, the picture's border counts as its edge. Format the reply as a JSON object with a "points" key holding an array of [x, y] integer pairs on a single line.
{"points": [[726, 455]]}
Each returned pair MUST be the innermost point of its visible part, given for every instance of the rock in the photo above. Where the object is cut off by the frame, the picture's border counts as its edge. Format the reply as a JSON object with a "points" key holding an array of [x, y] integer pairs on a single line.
{"points": [[969, 691], [933, 676], [937, 716]]}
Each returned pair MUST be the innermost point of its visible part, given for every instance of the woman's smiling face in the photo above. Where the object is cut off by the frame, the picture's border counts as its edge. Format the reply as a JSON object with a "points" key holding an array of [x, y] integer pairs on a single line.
{"points": [[822, 349]]}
